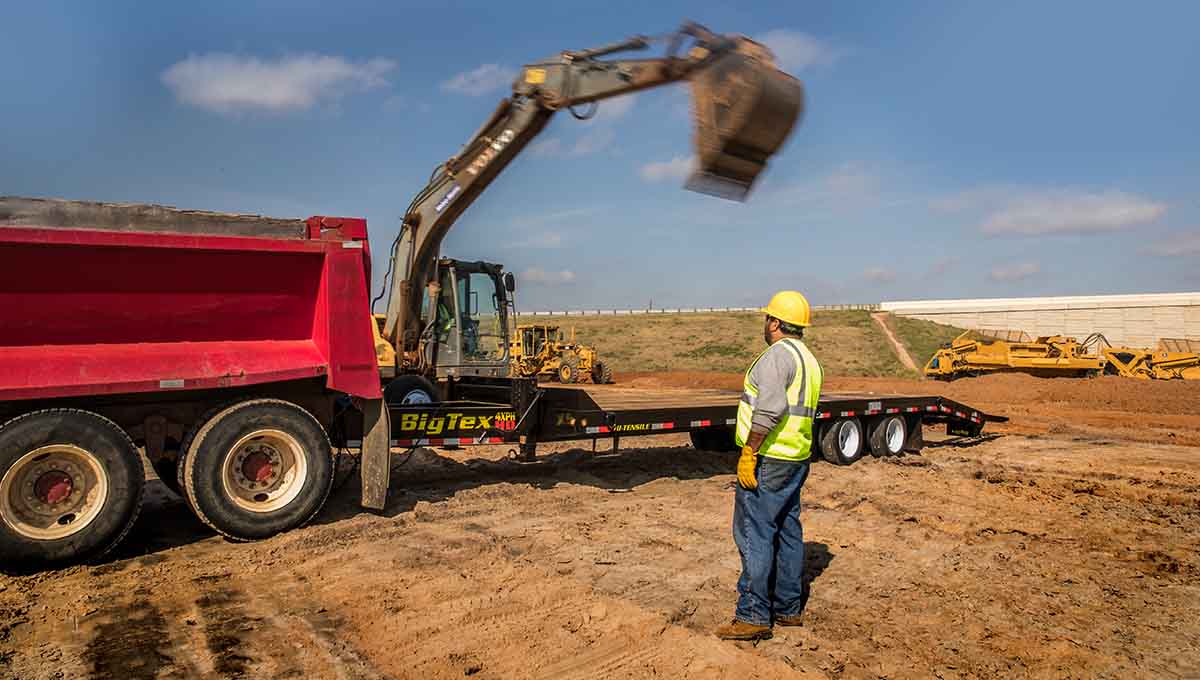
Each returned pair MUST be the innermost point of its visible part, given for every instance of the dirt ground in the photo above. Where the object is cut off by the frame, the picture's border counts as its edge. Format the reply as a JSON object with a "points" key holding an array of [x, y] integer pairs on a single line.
{"points": [[1066, 546]]}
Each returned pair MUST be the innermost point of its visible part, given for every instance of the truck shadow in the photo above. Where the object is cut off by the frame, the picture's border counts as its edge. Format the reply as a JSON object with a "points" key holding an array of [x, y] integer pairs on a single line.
{"points": [[426, 475], [429, 476]]}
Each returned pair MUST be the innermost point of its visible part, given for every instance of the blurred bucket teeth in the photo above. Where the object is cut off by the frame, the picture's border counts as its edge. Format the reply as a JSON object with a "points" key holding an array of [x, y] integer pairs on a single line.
{"points": [[743, 109]]}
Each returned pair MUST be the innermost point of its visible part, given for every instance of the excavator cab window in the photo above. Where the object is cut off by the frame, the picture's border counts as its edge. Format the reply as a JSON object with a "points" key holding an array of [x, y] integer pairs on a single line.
{"points": [[483, 335]]}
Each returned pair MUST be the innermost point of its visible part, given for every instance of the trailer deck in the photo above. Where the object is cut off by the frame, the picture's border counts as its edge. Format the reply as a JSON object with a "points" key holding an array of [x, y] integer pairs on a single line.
{"points": [[581, 412]]}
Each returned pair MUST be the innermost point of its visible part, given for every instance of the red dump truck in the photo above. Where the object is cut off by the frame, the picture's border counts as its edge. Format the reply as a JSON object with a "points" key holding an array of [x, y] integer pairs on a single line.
{"points": [[236, 338]]}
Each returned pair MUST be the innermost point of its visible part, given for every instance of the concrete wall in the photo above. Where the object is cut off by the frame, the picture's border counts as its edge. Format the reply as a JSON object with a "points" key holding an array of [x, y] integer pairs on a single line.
{"points": [[1133, 320]]}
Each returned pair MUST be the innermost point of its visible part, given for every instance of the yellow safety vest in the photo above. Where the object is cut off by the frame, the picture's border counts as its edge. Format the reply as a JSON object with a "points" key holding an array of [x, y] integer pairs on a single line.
{"points": [[791, 439]]}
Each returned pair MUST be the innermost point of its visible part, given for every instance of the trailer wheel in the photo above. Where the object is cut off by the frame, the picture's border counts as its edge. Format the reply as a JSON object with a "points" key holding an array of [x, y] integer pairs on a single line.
{"points": [[410, 389], [258, 468], [887, 436], [71, 487], [842, 441]]}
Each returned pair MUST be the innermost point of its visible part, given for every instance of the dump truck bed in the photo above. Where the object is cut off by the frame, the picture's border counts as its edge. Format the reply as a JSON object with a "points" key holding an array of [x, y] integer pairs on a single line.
{"points": [[108, 299]]}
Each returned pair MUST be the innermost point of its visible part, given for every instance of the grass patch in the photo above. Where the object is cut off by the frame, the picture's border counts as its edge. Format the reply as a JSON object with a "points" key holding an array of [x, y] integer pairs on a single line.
{"points": [[845, 342], [921, 337]]}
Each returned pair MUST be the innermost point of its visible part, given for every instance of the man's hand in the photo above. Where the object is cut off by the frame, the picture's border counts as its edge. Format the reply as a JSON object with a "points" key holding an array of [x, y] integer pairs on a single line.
{"points": [[745, 468]]}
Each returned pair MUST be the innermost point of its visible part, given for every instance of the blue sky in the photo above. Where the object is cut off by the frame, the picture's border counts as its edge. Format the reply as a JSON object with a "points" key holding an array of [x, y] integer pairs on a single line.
{"points": [[949, 149]]}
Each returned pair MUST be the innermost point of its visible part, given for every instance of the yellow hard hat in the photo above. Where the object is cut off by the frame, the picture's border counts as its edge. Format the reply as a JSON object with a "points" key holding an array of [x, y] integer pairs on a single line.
{"points": [[791, 307]]}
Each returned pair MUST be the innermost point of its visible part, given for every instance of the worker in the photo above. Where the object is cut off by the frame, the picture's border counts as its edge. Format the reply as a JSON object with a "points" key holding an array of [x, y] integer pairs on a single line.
{"points": [[775, 431]]}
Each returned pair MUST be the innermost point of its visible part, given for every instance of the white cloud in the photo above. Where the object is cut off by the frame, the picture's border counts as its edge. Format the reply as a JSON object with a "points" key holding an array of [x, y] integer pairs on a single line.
{"points": [[796, 50], [540, 240], [677, 168], [1178, 245], [229, 83], [1015, 272], [481, 80], [538, 276], [879, 275], [1007, 210]]}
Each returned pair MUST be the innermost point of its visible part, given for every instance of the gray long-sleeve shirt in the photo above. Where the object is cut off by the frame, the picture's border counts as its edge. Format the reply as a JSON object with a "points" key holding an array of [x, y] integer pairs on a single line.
{"points": [[771, 377]]}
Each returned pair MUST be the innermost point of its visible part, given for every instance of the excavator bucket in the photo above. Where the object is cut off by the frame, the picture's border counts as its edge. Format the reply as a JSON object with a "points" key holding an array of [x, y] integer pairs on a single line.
{"points": [[743, 109]]}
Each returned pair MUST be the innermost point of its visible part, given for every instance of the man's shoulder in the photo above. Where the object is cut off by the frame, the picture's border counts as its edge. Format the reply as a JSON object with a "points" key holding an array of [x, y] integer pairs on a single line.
{"points": [[776, 358]]}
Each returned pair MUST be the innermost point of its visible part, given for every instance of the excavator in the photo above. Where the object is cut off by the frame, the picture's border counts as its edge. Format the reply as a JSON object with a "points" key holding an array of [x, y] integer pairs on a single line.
{"points": [[442, 344], [448, 320]]}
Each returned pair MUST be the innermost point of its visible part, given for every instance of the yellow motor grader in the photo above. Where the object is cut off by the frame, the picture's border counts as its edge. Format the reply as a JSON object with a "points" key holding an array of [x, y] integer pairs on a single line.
{"points": [[544, 351]]}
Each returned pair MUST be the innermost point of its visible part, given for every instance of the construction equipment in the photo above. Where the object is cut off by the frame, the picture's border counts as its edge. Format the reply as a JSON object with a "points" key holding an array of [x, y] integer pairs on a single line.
{"points": [[744, 108], [972, 354], [239, 387], [978, 352], [1175, 359], [542, 350]]}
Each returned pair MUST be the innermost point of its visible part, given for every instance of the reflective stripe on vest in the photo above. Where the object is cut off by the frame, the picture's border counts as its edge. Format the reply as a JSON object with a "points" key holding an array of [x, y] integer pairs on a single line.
{"points": [[791, 438]]}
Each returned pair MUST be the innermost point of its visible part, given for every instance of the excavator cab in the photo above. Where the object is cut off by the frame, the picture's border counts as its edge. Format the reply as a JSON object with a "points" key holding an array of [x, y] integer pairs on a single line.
{"points": [[743, 108], [469, 327]]}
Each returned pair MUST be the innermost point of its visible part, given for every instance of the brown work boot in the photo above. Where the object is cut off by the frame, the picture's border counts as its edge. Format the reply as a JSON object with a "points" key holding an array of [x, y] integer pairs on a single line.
{"points": [[795, 620], [740, 630]]}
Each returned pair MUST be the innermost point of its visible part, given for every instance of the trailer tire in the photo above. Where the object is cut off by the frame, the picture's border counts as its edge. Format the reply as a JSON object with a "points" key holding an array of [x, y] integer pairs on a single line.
{"points": [[842, 441], [87, 457], [258, 468], [887, 436], [410, 389]]}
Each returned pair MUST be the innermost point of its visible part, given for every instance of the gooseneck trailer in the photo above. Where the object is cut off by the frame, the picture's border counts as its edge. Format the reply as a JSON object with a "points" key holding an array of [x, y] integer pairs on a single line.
{"points": [[236, 353]]}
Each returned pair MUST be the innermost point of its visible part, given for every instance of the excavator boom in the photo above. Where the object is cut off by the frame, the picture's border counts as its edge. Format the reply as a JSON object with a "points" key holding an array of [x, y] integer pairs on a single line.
{"points": [[743, 107]]}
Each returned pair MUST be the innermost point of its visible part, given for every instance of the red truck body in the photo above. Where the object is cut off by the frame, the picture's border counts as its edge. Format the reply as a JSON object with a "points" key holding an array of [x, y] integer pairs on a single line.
{"points": [[103, 311]]}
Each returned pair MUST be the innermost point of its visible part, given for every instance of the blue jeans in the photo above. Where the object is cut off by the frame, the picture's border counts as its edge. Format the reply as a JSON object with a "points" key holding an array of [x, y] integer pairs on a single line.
{"points": [[767, 530]]}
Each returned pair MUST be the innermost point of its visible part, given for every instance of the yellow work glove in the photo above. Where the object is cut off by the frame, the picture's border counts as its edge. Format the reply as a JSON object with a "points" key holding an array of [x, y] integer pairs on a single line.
{"points": [[746, 468]]}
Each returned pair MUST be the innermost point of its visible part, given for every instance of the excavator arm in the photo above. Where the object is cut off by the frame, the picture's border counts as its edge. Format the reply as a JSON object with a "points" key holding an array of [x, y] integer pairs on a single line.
{"points": [[743, 107]]}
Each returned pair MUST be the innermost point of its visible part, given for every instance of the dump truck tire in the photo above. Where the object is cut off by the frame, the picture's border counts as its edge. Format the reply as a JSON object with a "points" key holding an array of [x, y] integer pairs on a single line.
{"points": [[258, 468], [71, 485], [887, 436], [842, 441], [410, 389]]}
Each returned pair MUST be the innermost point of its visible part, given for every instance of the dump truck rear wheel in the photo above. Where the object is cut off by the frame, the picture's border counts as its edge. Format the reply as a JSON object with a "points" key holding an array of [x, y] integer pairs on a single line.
{"points": [[842, 441], [258, 468], [71, 486], [887, 436]]}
